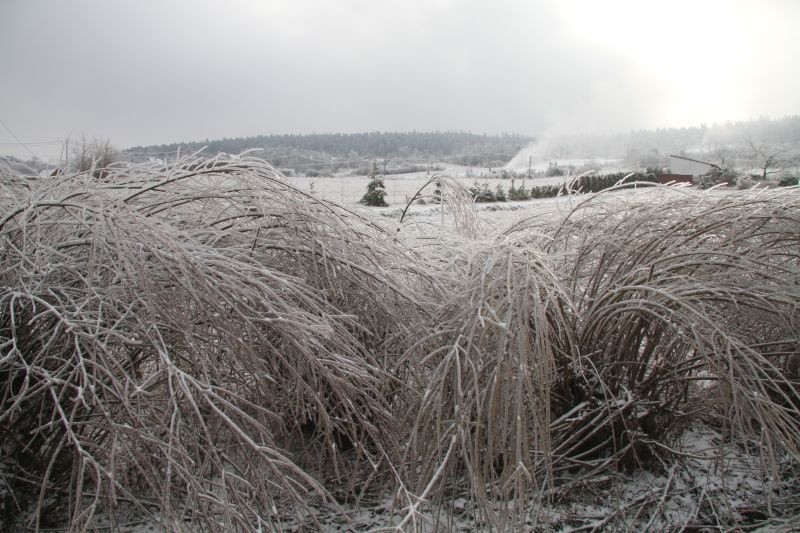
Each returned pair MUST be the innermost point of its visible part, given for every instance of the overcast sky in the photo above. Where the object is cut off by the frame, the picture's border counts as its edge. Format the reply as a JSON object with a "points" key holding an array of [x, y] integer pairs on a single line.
{"points": [[148, 72]]}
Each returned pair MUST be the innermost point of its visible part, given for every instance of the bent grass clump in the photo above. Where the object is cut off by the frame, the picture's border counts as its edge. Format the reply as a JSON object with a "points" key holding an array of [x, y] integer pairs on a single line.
{"points": [[205, 346]]}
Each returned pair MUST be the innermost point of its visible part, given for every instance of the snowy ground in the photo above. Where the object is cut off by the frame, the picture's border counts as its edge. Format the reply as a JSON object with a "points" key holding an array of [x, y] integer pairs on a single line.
{"points": [[400, 188], [692, 490]]}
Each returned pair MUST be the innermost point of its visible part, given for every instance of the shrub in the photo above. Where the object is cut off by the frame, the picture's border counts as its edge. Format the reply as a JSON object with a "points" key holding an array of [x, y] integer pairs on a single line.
{"points": [[482, 193], [94, 157], [718, 176], [744, 183], [554, 170], [574, 347], [518, 194], [172, 334], [500, 193]]}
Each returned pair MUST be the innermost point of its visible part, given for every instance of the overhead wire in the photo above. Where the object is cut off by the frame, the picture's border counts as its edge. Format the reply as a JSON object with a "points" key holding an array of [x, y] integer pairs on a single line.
{"points": [[17, 138]]}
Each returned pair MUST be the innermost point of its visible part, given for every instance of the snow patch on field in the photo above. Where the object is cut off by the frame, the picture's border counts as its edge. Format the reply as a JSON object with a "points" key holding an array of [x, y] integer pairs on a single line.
{"points": [[693, 489], [400, 188]]}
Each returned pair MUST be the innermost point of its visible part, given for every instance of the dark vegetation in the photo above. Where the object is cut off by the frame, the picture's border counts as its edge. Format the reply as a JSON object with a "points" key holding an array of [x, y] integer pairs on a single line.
{"points": [[321, 152], [585, 183], [207, 347], [376, 190]]}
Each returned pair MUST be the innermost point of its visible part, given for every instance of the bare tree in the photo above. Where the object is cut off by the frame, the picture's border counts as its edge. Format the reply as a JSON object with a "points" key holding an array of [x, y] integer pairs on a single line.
{"points": [[93, 156], [768, 158]]}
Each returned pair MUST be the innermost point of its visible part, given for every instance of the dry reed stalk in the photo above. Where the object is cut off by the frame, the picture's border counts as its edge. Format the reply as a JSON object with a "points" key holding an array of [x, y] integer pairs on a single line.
{"points": [[169, 331], [218, 348], [569, 347]]}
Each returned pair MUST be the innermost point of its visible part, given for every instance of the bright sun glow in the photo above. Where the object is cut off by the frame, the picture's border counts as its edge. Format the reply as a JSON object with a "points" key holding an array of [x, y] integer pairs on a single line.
{"points": [[695, 50]]}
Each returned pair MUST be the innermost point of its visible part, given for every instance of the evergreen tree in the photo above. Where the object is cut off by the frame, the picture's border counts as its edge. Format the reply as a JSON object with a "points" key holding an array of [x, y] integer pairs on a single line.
{"points": [[437, 193], [500, 194], [376, 190]]}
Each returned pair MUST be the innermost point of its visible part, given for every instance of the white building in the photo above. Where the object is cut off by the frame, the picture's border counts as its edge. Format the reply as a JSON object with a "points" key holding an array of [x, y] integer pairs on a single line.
{"points": [[679, 164]]}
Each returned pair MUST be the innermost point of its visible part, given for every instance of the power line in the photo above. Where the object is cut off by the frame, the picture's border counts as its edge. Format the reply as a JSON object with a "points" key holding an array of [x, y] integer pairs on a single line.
{"points": [[17, 138], [31, 143]]}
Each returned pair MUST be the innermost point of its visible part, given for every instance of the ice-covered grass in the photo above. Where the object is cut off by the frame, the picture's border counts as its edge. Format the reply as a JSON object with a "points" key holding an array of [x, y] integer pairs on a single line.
{"points": [[209, 346]]}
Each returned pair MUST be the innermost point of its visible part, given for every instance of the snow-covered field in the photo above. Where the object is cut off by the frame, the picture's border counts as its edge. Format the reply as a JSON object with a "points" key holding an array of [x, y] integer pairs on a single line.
{"points": [[400, 188]]}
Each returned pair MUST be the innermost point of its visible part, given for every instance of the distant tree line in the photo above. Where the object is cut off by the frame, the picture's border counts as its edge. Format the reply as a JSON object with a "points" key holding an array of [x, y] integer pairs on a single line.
{"points": [[334, 151], [721, 142]]}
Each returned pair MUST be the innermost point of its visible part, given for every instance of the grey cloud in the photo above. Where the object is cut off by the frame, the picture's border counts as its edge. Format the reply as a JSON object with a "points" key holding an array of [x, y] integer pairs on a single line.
{"points": [[152, 72]]}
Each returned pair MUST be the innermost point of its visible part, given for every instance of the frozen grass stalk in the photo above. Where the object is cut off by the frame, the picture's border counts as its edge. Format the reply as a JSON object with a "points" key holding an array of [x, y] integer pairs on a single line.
{"points": [[203, 345]]}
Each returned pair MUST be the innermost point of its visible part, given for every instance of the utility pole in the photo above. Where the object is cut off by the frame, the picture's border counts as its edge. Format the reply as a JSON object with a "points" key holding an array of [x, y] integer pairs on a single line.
{"points": [[529, 166], [66, 154]]}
